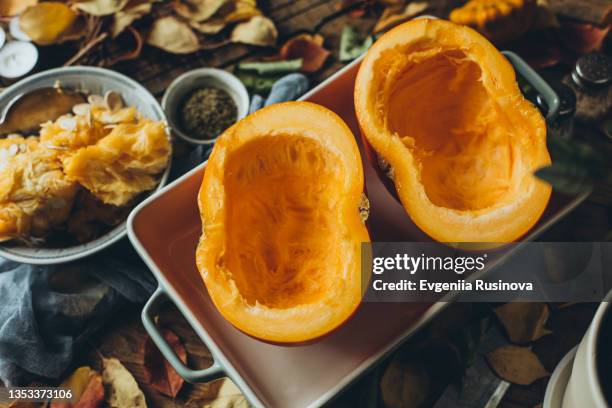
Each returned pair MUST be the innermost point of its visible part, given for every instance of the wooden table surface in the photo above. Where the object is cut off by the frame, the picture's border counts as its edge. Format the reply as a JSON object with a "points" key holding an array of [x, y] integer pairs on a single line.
{"points": [[124, 335]]}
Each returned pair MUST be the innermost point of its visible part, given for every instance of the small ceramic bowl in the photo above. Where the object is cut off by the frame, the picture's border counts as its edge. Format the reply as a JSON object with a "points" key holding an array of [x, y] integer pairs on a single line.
{"points": [[96, 81], [182, 86]]}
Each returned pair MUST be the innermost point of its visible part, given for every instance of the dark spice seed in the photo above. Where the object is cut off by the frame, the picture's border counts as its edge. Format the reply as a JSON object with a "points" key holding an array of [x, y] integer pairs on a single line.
{"points": [[207, 112]]}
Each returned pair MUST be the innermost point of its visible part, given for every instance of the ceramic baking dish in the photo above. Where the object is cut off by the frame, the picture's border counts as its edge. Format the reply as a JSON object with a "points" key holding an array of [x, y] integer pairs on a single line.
{"points": [[165, 230]]}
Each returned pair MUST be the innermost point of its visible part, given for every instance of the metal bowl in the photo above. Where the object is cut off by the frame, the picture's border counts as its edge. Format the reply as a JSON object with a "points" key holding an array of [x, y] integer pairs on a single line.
{"points": [[96, 81]]}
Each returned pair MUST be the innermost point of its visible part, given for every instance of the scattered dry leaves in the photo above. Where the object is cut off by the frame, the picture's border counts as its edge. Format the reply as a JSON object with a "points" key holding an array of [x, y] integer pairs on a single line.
{"points": [[48, 23], [121, 388], [398, 13], [158, 371], [172, 35], [524, 321], [9, 8], [517, 365], [258, 30]]}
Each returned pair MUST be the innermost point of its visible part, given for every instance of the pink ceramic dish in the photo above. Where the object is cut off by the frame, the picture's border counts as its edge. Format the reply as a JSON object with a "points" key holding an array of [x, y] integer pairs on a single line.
{"points": [[165, 230]]}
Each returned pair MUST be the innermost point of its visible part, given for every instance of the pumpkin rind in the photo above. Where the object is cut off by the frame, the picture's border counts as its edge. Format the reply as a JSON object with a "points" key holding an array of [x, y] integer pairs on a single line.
{"points": [[441, 105], [281, 227]]}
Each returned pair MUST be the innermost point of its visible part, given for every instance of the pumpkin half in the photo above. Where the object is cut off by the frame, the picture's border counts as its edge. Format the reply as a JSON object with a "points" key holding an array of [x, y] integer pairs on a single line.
{"points": [[281, 223], [441, 105]]}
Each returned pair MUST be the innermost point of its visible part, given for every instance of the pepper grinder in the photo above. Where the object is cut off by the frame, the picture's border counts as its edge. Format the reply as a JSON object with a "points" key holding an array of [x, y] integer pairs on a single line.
{"points": [[591, 80], [563, 126]]}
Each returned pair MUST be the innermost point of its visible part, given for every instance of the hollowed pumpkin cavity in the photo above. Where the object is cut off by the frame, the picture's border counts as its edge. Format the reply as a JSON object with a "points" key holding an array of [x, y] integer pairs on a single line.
{"points": [[442, 107], [280, 246], [280, 220]]}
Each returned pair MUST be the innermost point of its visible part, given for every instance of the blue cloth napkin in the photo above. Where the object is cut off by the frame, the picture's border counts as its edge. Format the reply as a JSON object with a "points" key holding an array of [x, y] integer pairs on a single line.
{"points": [[288, 88], [45, 311]]}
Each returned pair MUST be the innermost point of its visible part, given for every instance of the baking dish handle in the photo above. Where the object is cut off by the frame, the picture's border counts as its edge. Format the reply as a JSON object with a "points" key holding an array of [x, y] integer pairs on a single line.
{"points": [[534, 79], [215, 371]]}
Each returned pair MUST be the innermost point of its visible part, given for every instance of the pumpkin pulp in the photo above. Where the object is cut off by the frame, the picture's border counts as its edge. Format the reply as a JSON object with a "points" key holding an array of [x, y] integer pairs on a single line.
{"points": [[282, 234]]}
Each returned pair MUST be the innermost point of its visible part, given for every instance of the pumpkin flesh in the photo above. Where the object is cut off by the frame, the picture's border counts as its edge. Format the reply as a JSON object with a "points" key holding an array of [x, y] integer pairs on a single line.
{"points": [[282, 234], [442, 107]]}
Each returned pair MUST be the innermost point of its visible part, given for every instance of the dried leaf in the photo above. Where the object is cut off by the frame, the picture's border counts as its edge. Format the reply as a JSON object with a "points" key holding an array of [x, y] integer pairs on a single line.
{"points": [[582, 38], [132, 12], [198, 10], [524, 321], [121, 388], [230, 12], [272, 67], [173, 35], [404, 383], [258, 30], [93, 396], [351, 46], [10, 8], [158, 371], [46, 23], [517, 365], [87, 389], [228, 396], [211, 26], [101, 7], [396, 14], [309, 49], [242, 10]]}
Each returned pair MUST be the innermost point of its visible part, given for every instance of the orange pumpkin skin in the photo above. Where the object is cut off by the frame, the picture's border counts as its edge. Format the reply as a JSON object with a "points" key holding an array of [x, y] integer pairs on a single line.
{"points": [[280, 252], [441, 106]]}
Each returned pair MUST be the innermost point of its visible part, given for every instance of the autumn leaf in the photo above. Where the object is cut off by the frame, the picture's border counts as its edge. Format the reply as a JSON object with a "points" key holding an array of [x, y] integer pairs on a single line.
{"points": [[198, 10], [228, 396], [241, 11], [47, 23], [309, 49], [174, 36], [230, 12], [582, 38], [211, 26], [101, 7], [405, 382], [9, 8], [524, 321], [133, 11], [517, 365], [158, 371], [396, 14], [121, 388], [351, 46], [86, 387], [258, 30]]}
